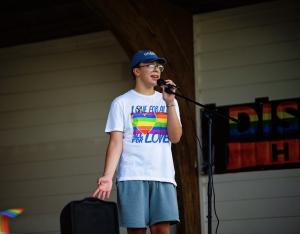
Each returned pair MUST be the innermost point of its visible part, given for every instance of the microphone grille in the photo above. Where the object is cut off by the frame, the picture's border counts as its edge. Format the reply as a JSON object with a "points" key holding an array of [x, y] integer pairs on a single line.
{"points": [[160, 82]]}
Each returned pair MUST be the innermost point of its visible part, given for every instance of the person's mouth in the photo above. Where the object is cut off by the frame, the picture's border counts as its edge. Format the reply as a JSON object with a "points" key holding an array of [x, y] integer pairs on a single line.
{"points": [[156, 77]]}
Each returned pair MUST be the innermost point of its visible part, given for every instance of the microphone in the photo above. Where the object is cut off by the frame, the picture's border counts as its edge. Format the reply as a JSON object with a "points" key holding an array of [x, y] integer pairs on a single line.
{"points": [[168, 87]]}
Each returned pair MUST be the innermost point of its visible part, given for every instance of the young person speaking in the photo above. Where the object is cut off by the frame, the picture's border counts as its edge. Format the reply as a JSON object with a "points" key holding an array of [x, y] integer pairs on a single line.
{"points": [[142, 124]]}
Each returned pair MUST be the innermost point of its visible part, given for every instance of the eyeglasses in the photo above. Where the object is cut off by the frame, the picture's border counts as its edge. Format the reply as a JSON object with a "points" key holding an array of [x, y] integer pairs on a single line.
{"points": [[153, 67]]}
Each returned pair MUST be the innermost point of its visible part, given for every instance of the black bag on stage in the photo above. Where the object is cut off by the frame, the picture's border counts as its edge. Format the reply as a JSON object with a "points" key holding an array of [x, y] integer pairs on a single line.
{"points": [[89, 216]]}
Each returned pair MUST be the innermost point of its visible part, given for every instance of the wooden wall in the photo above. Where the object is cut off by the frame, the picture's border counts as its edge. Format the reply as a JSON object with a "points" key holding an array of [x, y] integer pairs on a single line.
{"points": [[54, 102], [241, 54]]}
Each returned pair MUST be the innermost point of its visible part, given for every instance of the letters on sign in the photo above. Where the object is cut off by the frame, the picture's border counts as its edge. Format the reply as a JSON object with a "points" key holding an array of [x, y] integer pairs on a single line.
{"points": [[267, 134]]}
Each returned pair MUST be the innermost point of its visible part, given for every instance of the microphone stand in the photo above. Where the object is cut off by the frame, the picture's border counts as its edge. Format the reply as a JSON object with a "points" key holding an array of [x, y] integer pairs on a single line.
{"points": [[209, 114]]}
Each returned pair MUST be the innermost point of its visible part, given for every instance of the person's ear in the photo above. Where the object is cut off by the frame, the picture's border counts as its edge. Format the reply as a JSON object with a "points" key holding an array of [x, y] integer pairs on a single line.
{"points": [[136, 71]]}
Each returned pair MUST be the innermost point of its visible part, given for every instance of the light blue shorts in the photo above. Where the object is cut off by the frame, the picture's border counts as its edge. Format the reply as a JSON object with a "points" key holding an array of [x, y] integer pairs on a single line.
{"points": [[144, 203]]}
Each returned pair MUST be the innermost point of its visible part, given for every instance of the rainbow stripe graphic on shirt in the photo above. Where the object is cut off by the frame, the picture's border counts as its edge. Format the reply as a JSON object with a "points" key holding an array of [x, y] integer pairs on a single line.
{"points": [[149, 123]]}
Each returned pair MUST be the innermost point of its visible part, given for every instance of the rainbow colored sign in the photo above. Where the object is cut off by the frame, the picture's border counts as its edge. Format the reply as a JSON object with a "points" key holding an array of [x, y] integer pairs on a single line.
{"points": [[266, 135], [5, 215]]}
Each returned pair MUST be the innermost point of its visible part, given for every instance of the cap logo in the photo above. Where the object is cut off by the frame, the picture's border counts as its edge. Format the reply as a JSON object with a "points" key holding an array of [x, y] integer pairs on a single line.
{"points": [[149, 53]]}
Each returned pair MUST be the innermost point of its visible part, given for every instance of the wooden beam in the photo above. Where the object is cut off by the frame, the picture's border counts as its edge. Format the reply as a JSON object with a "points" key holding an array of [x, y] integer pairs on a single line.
{"points": [[31, 21], [168, 30]]}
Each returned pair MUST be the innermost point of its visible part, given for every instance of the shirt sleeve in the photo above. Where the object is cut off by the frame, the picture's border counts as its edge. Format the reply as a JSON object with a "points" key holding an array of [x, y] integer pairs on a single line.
{"points": [[115, 120]]}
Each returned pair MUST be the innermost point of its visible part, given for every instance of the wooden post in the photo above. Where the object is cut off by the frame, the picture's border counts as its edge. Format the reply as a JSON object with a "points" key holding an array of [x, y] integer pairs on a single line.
{"points": [[168, 30]]}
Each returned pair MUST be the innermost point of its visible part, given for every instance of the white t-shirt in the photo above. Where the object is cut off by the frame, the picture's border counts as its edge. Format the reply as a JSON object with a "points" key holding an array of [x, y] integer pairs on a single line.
{"points": [[146, 153]]}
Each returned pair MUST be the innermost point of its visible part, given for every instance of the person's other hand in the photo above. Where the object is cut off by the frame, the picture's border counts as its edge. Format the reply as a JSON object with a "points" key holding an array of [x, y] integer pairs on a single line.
{"points": [[169, 98], [104, 188]]}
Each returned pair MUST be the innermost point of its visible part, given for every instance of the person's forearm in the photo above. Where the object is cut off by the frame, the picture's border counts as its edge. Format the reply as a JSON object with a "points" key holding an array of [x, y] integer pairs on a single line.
{"points": [[113, 154], [174, 126]]}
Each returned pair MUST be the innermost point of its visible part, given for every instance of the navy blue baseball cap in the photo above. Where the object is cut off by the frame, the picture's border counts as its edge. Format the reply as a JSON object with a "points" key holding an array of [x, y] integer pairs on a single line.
{"points": [[145, 56]]}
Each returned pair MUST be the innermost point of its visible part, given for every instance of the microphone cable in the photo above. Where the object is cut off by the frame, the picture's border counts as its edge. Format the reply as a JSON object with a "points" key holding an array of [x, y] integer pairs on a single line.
{"points": [[198, 141]]}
